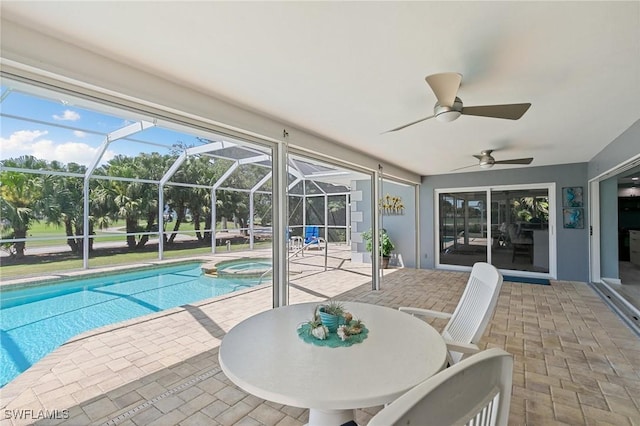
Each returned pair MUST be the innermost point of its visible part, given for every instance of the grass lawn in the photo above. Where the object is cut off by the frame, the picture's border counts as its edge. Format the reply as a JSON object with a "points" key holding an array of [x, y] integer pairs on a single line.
{"points": [[51, 263], [56, 236]]}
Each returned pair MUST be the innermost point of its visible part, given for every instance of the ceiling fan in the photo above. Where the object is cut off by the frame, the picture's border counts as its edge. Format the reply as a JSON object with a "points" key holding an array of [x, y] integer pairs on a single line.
{"points": [[449, 107], [486, 160]]}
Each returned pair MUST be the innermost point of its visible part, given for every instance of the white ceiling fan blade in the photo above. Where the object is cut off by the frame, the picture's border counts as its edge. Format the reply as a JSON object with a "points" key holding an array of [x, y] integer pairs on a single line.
{"points": [[407, 125], [508, 111], [515, 161], [445, 86]]}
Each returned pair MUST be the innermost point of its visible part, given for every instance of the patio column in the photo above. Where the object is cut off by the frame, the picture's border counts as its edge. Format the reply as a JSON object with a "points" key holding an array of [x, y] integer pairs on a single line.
{"points": [[280, 262], [376, 225], [213, 220]]}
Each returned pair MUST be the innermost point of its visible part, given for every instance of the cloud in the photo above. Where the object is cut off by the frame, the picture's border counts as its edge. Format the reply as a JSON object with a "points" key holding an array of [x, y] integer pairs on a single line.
{"points": [[18, 143], [68, 115], [79, 133], [29, 142]]}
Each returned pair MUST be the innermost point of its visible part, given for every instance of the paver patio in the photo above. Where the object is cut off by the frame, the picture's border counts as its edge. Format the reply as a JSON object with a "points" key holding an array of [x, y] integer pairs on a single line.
{"points": [[575, 361]]}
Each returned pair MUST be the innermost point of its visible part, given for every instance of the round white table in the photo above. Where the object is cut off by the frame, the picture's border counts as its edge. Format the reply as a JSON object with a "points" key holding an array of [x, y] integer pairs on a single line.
{"points": [[265, 356]]}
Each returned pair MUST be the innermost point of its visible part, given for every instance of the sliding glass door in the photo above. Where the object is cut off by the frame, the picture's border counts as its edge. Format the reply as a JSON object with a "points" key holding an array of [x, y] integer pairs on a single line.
{"points": [[520, 225], [463, 228], [510, 227]]}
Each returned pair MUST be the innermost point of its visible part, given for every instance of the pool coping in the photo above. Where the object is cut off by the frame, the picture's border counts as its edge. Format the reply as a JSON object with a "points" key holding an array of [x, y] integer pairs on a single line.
{"points": [[27, 282], [52, 358], [165, 313], [214, 268]]}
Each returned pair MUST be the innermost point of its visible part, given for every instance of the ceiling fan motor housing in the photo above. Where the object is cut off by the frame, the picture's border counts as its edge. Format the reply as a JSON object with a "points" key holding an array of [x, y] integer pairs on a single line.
{"points": [[446, 113]]}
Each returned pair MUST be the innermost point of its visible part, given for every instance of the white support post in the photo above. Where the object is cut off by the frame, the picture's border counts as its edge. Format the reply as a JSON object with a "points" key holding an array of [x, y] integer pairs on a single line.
{"points": [[280, 221], [113, 136], [251, 220], [213, 220], [85, 190], [416, 211], [160, 221], [347, 203], [252, 206], [375, 229], [326, 217]]}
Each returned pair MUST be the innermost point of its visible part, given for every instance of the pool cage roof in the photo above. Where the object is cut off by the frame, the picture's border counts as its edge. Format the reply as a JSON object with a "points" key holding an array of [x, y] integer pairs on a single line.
{"points": [[58, 127]]}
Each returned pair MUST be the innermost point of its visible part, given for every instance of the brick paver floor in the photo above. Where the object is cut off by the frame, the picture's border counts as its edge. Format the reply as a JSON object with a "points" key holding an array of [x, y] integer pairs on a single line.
{"points": [[575, 361]]}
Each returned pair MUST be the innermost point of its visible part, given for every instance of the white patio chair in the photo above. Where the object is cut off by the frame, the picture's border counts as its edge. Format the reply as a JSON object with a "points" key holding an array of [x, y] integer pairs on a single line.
{"points": [[473, 313], [476, 391]]}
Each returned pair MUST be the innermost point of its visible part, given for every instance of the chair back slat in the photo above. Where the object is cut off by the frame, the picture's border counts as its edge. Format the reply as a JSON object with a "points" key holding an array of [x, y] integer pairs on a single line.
{"points": [[475, 391], [475, 308]]}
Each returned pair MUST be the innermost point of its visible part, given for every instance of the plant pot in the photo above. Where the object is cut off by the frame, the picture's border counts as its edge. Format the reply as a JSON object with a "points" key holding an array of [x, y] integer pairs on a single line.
{"points": [[384, 262], [330, 321]]}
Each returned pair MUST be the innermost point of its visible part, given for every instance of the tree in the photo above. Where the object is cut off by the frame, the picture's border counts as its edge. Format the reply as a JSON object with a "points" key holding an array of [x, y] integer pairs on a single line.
{"points": [[122, 193], [153, 167], [527, 208], [20, 193], [196, 170], [63, 198]]}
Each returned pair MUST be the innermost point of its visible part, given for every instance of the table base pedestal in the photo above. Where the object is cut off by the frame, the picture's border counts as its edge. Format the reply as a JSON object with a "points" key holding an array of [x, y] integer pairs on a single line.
{"points": [[330, 417]]}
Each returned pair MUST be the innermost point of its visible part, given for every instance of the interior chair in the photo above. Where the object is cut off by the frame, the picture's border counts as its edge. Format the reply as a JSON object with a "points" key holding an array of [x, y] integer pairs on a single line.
{"points": [[476, 391], [521, 245], [473, 313]]}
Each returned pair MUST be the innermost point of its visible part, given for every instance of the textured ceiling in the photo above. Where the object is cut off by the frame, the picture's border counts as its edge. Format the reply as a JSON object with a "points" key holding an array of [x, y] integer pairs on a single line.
{"points": [[349, 71]]}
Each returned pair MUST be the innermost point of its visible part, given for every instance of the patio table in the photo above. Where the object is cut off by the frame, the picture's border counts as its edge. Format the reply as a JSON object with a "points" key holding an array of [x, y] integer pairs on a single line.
{"points": [[265, 356]]}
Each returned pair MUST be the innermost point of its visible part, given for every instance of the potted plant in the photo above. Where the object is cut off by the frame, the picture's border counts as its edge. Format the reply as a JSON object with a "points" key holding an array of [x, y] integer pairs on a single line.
{"points": [[386, 245], [331, 314]]}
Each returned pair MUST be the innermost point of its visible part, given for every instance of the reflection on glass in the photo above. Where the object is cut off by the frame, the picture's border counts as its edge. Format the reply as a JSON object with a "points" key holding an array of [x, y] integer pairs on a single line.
{"points": [[518, 234], [520, 230], [463, 228]]}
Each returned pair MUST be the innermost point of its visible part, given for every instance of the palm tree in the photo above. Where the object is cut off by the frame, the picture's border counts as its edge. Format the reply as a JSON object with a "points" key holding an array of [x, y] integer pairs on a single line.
{"points": [[150, 166], [19, 195], [122, 194], [63, 203]]}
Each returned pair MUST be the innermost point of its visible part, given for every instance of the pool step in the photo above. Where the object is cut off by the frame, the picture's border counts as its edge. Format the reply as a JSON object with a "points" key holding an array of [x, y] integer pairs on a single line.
{"points": [[210, 269]]}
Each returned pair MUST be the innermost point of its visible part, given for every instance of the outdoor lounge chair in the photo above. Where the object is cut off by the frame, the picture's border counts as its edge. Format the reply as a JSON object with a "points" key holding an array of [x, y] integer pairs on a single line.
{"points": [[476, 391], [311, 236], [473, 313]]}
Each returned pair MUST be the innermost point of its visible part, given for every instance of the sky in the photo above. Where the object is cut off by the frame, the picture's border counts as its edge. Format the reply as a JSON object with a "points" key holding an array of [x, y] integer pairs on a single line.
{"points": [[57, 130]]}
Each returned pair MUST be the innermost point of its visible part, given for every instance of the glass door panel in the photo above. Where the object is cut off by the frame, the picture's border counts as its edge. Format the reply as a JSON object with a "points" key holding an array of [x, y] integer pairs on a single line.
{"points": [[463, 228], [321, 218], [520, 229]]}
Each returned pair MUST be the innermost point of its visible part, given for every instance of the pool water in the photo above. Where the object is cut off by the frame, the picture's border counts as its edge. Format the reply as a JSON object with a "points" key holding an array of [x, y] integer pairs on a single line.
{"points": [[246, 267], [36, 320]]}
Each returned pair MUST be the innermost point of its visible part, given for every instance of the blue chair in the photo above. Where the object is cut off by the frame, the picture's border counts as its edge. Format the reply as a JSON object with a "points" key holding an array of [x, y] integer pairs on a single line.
{"points": [[312, 235]]}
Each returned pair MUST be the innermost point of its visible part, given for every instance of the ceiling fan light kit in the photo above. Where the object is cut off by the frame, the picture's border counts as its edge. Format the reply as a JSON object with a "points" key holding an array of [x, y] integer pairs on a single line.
{"points": [[487, 164], [449, 106], [448, 113]]}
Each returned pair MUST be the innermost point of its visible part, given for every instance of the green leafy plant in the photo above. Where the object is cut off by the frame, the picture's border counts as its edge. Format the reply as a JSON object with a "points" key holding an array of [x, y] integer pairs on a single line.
{"points": [[333, 308], [386, 245]]}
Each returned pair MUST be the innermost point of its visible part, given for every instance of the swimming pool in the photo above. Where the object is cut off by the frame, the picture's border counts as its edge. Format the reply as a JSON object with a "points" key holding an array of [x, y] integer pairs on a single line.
{"points": [[36, 320]]}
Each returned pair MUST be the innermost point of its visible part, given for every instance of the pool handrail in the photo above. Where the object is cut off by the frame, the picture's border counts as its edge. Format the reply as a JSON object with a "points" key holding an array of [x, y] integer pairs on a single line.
{"points": [[319, 240]]}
